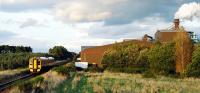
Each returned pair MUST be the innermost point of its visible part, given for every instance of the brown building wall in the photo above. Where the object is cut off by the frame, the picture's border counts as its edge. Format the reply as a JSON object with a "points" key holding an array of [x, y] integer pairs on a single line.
{"points": [[94, 55], [165, 36]]}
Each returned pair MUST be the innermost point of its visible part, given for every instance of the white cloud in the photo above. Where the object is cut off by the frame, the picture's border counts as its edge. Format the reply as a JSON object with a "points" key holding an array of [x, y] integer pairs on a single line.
{"points": [[86, 22], [29, 22], [83, 11], [15, 1]]}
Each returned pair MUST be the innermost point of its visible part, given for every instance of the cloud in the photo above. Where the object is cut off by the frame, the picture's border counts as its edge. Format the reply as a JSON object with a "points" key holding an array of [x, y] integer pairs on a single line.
{"points": [[37, 45], [136, 29], [29, 22], [113, 12], [6, 35], [188, 11], [82, 11], [21, 5]]}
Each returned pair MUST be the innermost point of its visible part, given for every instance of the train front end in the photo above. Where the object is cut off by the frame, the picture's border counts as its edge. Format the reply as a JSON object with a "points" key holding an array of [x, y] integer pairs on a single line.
{"points": [[35, 65]]}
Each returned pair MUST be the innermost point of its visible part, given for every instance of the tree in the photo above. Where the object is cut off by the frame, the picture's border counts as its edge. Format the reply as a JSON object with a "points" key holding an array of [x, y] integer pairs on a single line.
{"points": [[59, 52], [193, 68], [126, 58], [162, 59], [14, 49], [184, 49]]}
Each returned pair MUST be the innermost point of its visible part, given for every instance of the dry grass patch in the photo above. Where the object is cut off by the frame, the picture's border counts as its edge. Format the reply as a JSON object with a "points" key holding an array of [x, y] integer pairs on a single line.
{"points": [[129, 83], [6, 74]]}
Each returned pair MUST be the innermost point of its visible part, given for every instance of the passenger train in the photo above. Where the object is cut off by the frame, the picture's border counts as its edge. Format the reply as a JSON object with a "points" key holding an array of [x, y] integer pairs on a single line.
{"points": [[38, 63]]}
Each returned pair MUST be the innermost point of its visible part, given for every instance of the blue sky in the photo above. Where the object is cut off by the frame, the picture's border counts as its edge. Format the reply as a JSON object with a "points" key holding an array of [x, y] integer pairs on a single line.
{"points": [[43, 24]]}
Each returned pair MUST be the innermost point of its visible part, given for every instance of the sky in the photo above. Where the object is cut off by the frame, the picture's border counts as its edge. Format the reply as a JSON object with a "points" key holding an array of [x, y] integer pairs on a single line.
{"points": [[43, 24]]}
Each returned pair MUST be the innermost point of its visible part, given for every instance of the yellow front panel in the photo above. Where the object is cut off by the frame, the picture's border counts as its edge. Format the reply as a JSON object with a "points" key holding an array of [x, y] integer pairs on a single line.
{"points": [[35, 64]]}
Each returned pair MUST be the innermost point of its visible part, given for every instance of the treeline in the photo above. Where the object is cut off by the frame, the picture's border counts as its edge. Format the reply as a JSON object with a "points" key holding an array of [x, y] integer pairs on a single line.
{"points": [[61, 53], [160, 59], [132, 58], [17, 60], [12, 57], [179, 56], [14, 49]]}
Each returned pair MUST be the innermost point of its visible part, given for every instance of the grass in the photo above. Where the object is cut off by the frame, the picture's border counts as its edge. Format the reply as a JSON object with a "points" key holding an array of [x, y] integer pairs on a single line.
{"points": [[76, 84], [40, 84], [11, 73], [108, 82]]}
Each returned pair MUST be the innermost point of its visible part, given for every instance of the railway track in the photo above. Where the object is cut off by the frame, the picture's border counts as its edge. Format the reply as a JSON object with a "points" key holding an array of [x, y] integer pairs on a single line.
{"points": [[9, 83]]}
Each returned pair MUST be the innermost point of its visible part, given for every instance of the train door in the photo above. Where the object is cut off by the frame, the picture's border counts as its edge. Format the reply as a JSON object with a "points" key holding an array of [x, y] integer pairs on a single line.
{"points": [[36, 65]]}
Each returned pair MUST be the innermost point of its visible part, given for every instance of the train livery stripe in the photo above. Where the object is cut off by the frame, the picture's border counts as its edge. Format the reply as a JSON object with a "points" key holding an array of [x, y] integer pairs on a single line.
{"points": [[35, 64]]}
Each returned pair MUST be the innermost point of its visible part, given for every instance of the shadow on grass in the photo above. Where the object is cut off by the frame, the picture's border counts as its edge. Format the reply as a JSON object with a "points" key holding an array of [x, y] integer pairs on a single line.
{"points": [[81, 87]]}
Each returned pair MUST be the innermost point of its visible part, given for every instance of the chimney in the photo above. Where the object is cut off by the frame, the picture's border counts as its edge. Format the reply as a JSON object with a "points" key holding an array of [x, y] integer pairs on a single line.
{"points": [[176, 24]]}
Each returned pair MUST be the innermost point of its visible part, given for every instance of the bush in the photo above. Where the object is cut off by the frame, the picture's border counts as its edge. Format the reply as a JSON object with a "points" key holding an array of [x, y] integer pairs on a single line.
{"points": [[148, 74], [94, 69], [29, 85], [65, 70], [193, 68], [128, 58], [162, 59]]}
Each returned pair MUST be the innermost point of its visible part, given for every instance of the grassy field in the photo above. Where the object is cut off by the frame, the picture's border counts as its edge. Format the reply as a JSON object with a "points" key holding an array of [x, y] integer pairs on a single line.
{"points": [[126, 83], [107, 82]]}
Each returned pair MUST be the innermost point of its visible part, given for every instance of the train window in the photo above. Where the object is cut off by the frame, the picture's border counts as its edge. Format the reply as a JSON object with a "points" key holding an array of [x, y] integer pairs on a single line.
{"points": [[38, 62]]}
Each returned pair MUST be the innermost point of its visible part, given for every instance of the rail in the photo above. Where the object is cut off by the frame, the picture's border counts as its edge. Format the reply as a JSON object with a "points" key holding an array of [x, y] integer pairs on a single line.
{"points": [[10, 82]]}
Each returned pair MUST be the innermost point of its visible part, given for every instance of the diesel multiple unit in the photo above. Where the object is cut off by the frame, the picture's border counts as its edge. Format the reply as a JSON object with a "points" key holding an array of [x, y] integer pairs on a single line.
{"points": [[38, 63]]}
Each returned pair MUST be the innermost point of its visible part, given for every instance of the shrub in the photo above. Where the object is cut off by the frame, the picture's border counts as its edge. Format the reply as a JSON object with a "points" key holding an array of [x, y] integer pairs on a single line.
{"points": [[148, 74], [29, 85], [94, 69], [162, 59], [65, 70], [193, 68], [128, 58]]}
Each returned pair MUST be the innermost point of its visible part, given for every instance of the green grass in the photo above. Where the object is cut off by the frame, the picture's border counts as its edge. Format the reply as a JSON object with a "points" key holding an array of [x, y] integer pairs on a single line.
{"points": [[126, 83], [107, 82], [81, 87]]}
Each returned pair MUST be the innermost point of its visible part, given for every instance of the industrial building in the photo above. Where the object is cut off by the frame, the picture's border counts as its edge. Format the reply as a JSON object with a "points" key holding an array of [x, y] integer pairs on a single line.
{"points": [[94, 54], [169, 34]]}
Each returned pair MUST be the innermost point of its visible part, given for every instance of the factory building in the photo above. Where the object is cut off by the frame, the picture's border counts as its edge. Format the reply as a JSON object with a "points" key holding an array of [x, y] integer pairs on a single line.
{"points": [[168, 35], [94, 54]]}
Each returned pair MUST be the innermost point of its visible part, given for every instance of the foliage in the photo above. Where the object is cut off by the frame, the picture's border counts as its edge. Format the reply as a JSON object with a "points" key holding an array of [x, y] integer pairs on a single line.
{"points": [[94, 69], [148, 74], [29, 85], [65, 70], [16, 60], [184, 49], [193, 68], [162, 59], [60, 52], [126, 58], [14, 49]]}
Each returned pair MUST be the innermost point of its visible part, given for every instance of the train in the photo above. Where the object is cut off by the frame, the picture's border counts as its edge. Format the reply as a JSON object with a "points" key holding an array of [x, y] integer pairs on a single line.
{"points": [[36, 64]]}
